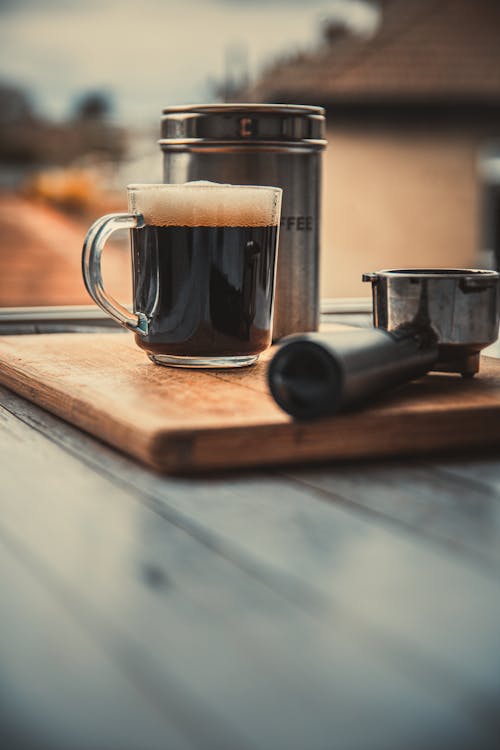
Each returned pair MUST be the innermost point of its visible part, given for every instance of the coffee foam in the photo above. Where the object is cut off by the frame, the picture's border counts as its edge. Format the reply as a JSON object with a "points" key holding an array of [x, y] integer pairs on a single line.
{"points": [[205, 204]]}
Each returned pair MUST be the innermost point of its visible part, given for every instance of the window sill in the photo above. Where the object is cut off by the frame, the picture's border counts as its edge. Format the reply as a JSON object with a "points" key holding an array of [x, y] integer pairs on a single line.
{"points": [[89, 318]]}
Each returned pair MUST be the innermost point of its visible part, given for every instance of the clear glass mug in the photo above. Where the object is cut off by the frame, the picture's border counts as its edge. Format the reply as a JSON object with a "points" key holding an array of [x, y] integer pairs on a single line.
{"points": [[203, 271]]}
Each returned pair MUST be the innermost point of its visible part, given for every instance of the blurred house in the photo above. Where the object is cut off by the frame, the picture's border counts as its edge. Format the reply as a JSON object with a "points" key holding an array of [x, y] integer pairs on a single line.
{"points": [[409, 111]]}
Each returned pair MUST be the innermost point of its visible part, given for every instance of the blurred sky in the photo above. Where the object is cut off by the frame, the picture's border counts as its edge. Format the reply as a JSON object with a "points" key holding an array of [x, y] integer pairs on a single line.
{"points": [[151, 53]]}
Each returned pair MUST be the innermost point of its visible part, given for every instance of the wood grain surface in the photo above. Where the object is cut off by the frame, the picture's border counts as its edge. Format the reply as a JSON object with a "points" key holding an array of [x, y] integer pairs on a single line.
{"points": [[185, 421], [244, 612], [248, 610]]}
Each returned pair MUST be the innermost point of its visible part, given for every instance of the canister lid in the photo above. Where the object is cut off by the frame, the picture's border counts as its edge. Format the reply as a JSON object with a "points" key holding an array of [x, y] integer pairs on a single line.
{"points": [[243, 123]]}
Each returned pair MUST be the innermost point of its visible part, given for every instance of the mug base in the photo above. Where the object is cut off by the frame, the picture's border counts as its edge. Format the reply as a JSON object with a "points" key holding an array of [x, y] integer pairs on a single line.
{"points": [[169, 360]]}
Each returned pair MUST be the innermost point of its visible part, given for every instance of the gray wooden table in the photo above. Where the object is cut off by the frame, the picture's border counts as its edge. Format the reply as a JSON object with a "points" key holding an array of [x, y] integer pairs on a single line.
{"points": [[336, 607]]}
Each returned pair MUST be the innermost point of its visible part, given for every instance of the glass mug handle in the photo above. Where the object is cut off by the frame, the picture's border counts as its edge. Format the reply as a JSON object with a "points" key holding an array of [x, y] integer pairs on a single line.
{"points": [[93, 246]]}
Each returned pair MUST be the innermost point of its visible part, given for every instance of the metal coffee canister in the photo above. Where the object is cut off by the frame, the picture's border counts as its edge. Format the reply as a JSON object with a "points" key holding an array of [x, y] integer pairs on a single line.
{"points": [[261, 144]]}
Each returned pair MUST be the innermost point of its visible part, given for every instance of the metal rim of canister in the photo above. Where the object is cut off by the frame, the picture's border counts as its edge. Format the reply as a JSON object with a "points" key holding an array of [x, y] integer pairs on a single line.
{"points": [[200, 112], [257, 106], [202, 144]]}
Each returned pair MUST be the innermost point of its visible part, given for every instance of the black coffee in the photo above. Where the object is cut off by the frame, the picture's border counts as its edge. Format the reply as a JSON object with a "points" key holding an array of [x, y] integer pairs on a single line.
{"points": [[207, 291]]}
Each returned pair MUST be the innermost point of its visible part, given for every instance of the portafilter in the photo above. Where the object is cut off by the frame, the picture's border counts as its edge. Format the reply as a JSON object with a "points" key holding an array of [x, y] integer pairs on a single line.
{"points": [[424, 320]]}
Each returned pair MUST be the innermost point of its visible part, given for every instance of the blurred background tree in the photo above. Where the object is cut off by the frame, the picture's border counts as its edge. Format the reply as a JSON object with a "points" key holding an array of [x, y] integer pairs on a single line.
{"points": [[94, 106]]}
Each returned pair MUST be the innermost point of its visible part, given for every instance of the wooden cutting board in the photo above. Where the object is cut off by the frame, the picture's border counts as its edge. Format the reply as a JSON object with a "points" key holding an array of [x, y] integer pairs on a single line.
{"points": [[185, 421]]}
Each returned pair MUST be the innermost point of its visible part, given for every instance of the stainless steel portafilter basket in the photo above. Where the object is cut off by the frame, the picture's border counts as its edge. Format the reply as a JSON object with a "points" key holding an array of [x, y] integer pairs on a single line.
{"points": [[424, 319], [460, 306]]}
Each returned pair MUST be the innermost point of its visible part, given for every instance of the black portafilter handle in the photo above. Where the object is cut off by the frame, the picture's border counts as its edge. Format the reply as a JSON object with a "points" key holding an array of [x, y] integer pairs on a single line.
{"points": [[318, 374]]}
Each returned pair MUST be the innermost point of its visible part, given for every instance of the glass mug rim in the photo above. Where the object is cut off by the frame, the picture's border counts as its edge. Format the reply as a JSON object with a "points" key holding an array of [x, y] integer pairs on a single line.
{"points": [[199, 185], [239, 325]]}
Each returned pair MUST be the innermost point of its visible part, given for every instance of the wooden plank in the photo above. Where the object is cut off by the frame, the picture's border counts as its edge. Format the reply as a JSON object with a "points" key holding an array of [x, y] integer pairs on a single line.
{"points": [[72, 555], [328, 555], [454, 504], [408, 596], [289, 539], [192, 623], [481, 474], [423, 497], [58, 688], [370, 489], [432, 499], [187, 421]]}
